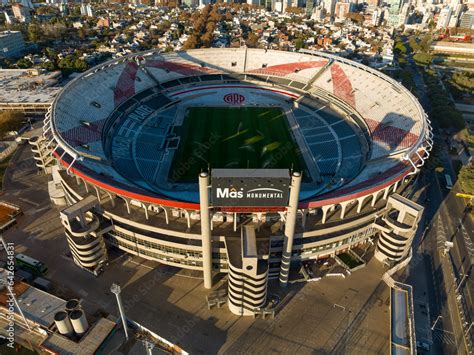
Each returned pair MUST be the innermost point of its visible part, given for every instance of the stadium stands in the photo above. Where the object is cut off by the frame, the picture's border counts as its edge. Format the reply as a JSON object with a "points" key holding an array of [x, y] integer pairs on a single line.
{"points": [[113, 119], [388, 111]]}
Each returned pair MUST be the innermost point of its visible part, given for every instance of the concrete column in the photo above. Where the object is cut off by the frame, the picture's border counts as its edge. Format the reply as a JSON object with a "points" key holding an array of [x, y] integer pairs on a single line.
{"points": [[292, 212], [205, 229], [343, 209], [374, 198], [325, 210], [304, 214], [360, 204]]}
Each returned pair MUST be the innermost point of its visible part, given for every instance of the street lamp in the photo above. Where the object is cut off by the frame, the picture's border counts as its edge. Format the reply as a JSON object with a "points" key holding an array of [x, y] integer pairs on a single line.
{"points": [[115, 289], [468, 329], [436, 321], [464, 276], [148, 347]]}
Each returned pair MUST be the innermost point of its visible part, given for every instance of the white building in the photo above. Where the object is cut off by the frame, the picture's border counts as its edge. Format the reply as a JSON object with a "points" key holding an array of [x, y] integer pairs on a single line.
{"points": [[376, 17], [404, 15], [329, 6], [444, 17], [11, 44], [86, 10], [467, 20]]}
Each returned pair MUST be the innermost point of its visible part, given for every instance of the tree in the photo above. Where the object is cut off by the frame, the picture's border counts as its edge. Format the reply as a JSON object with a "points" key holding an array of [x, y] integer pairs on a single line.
{"points": [[299, 43], [35, 32], [11, 121], [50, 53], [50, 66], [423, 58], [191, 42], [72, 63], [24, 63], [400, 48], [206, 39], [252, 40], [466, 179]]}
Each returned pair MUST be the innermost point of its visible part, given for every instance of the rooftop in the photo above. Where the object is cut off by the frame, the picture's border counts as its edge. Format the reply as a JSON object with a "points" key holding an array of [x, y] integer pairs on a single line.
{"points": [[28, 86], [7, 33], [39, 308]]}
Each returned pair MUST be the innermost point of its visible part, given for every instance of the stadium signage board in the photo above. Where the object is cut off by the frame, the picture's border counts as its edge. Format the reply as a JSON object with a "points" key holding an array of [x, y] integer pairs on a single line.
{"points": [[234, 98], [244, 188]]}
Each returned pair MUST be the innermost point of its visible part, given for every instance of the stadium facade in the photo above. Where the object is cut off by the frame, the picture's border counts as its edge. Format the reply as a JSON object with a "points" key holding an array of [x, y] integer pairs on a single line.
{"points": [[138, 172]]}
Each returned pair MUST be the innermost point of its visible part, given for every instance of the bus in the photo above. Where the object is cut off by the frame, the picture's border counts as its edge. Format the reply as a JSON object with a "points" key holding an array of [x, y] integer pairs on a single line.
{"points": [[449, 182], [31, 265]]}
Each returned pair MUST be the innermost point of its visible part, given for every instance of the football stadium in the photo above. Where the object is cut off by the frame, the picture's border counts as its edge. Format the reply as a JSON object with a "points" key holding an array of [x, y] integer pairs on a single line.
{"points": [[247, 162]]}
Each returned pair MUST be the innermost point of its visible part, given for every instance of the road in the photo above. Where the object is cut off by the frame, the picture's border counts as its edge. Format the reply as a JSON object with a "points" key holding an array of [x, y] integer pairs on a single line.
{"points": [[448, 283], [444, 210]]}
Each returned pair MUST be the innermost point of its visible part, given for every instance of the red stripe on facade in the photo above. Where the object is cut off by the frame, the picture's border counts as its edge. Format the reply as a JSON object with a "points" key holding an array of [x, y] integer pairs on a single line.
{"points": [[126, 193], [195, 206]]}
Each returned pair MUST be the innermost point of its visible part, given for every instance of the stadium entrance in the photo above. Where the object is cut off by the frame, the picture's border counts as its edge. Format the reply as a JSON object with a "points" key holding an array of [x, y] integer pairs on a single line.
{"points": [[247, 191]]}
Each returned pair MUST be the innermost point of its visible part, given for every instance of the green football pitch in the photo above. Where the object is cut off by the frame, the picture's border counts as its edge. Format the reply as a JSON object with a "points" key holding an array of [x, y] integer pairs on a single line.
{"points": [[221, 137]]}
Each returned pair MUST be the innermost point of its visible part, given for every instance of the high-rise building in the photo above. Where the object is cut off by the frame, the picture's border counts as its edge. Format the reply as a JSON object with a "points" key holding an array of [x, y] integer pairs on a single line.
{"points": [[341, 10], [86, 10], [376, 17], [170, 3], [309, 7], [319, 13], [27, 3], [467, 20], [453, 22], [404, 17], [394, 12], [427, 17], [329, 6], [444, 17], [21, 12], [11, 44]]}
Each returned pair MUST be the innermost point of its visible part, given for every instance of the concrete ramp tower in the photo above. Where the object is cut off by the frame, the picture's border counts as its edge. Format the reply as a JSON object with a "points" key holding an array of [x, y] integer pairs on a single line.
{"points": [[397, 227], [248, 272], [84, 235]]}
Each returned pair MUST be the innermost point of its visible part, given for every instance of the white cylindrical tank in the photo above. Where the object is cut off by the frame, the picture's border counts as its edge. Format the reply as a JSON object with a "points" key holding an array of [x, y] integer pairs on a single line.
{"points": [[79, 321], [72, 305], [63, 323]]}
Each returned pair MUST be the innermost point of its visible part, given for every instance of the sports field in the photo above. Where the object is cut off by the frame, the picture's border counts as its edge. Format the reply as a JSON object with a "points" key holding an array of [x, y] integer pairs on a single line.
{"points": [[221, 137]]}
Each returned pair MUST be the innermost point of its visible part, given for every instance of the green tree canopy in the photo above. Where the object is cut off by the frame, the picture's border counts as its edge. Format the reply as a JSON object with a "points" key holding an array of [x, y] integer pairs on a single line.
{"points": [[466, 179], [10, 121]]}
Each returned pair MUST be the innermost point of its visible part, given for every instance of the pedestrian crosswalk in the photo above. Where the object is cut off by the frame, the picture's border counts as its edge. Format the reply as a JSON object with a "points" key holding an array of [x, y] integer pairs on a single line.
{"points": [[467, 240], [440, 234], [444, 336]]}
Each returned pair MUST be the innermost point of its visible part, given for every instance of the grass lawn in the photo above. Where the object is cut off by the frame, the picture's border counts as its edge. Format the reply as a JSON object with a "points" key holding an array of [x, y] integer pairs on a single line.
{"points": [[221, 137]]}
